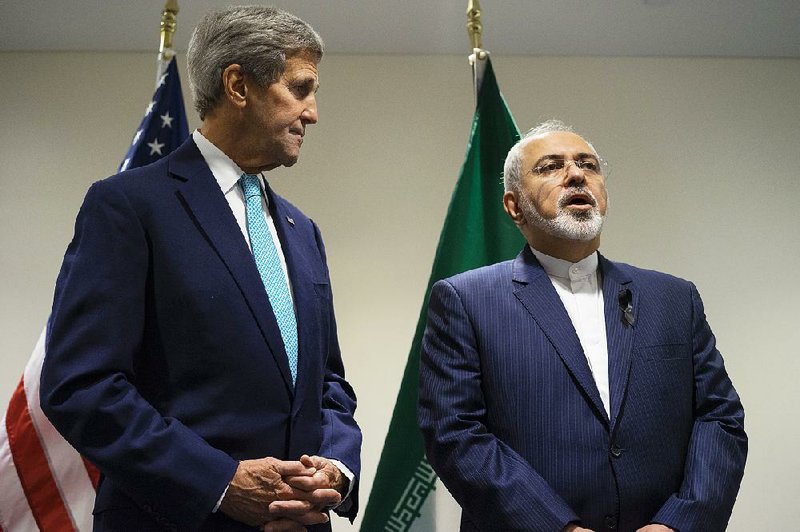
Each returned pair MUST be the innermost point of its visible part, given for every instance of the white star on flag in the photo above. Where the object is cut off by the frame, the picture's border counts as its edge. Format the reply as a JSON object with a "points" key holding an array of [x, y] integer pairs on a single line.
{"points": [[155, 147], [166, 120], [162, 80], [150, 107], [137, 136]]}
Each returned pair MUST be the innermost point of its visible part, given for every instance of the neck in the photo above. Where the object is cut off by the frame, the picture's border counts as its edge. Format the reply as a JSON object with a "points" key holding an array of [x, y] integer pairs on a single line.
{"points": [[569, 250], [234, 142]]}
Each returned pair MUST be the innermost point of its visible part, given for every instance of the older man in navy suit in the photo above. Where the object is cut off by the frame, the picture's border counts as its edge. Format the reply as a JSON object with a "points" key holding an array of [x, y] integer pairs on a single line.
{"points": [[563, 391], [192, 352]]}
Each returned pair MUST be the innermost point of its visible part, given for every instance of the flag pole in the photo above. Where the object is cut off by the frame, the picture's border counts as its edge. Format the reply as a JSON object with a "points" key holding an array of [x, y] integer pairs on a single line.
{"points": [[477, 59], [169, 21]]}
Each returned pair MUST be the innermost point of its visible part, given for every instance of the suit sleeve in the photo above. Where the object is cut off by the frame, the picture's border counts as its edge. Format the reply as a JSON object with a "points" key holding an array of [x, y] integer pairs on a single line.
{"points": [[718, 445], [495, 486], [87, 385], [341, 436]]}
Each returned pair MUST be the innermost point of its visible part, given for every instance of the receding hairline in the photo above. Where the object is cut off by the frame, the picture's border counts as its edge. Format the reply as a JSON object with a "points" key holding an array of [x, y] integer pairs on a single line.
{"points": [[539, 136]]}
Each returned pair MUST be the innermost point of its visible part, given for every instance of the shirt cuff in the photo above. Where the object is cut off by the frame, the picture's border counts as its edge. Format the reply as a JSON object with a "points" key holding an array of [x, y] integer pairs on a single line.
{"points": [[219, 502], [346, 502]]}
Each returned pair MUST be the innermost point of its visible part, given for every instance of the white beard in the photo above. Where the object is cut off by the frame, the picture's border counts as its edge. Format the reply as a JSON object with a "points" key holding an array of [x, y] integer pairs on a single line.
{"points": [[567, 224]]}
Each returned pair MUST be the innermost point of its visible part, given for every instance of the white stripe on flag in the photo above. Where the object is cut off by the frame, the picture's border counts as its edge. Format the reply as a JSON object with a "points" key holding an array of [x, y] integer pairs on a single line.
{"points": [[15, 514], [66, 465]]}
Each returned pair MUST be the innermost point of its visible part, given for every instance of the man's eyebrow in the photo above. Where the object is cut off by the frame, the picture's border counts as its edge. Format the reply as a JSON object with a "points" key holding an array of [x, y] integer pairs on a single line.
{"points": [[309, 81], [561, 157]]}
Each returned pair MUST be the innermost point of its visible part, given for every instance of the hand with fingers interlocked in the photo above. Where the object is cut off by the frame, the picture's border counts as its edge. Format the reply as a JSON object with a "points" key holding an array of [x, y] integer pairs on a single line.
{"points": [[284, 496]]}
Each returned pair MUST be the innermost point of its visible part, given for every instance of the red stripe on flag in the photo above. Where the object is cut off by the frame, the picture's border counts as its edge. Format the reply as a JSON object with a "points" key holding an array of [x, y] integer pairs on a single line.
{"points": [[33, 470], [94, 474]]}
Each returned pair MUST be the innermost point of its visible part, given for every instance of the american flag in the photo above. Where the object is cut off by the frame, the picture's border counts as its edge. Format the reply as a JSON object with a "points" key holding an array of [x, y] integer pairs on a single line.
{"points": [[163, 127], [44, 483]]}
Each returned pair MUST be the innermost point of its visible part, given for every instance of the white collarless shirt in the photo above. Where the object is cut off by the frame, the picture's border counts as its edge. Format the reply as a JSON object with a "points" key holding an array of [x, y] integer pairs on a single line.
{"points": [[579, 286]]}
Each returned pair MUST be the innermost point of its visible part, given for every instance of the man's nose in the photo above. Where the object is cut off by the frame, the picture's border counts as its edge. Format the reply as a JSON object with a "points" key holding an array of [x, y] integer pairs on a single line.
{"points": [[309, 114], [573, 174]]}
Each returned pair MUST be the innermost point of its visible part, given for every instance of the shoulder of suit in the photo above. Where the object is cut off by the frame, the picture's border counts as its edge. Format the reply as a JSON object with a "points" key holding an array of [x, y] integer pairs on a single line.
{"points": [[186, 152], [646, 275], [140, 175], [484, 274]]}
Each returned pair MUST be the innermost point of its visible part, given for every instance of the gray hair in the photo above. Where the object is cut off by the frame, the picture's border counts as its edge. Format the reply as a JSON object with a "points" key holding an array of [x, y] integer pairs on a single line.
{"points": [[512, 169], [258, 38]]}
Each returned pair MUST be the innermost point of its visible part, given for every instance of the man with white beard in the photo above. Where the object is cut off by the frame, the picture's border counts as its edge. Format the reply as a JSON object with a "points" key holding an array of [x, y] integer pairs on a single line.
{"points": [[563, 391]]}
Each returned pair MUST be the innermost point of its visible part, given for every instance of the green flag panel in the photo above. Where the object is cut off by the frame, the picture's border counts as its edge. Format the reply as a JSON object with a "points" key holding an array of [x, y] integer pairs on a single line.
{"points": [[476, 232]]}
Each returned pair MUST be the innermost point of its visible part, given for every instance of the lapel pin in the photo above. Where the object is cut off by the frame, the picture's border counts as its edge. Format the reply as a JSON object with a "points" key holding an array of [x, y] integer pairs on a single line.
{"points": [[290, 220]]}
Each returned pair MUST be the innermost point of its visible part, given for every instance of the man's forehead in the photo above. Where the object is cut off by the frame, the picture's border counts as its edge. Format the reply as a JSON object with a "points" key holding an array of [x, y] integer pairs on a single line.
{"points": [[302, 61], [556, 143]]}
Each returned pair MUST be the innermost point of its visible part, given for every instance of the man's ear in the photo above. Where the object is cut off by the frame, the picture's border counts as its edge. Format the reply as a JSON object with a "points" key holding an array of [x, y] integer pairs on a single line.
{"points": [[511, 205], [235, 85]]}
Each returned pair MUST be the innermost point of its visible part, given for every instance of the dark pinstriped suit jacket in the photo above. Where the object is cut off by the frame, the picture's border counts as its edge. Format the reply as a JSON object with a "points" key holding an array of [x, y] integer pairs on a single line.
{"points": [[514, 425]]}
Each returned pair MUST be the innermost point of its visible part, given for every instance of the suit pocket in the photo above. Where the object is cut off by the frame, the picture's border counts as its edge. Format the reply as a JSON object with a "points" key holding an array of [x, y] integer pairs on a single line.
{"points": [[677, 351], [323, 290]]}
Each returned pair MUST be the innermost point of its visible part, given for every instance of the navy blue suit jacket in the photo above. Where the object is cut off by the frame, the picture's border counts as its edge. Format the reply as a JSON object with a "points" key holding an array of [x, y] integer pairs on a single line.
{"points": [[514, 424], [165, 365]]}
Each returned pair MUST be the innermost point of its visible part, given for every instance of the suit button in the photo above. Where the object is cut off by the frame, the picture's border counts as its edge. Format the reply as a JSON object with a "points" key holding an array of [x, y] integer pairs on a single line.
{"points": [[610, 522], [616, 451]]}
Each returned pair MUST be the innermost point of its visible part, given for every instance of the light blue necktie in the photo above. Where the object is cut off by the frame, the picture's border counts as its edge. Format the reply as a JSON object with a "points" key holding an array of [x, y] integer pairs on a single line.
{"points": [[269, 266]]}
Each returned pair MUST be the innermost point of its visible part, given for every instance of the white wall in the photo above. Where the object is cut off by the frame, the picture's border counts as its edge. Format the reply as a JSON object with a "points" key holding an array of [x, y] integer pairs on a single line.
{"points": [[704, 185]]}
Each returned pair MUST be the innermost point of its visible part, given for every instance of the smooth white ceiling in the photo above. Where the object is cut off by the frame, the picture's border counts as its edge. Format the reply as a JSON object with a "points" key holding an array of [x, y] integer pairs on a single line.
{"points": [[732, 28]]}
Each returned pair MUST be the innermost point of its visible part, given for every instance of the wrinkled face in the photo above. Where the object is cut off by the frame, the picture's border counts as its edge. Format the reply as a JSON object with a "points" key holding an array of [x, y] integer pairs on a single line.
{"points": [[281, 111], [562, 189]]}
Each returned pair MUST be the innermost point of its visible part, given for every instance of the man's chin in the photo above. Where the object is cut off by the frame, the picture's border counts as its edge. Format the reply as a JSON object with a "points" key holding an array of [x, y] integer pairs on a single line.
{"points": [[290, 159], [579, 228]]}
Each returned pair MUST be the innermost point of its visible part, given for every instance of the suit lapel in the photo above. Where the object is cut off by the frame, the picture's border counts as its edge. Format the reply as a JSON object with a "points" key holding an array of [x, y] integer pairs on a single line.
{"points": [[619, 334], [302, 280], [537, 294], [205, 202]]}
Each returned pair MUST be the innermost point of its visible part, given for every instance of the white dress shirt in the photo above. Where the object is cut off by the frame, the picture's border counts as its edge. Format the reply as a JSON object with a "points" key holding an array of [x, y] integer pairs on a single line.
{"points": [[579, 286], [227, 174]]}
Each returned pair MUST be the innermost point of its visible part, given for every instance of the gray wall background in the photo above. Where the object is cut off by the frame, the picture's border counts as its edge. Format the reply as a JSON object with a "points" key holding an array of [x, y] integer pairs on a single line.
{"points": [[704, 185]]}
